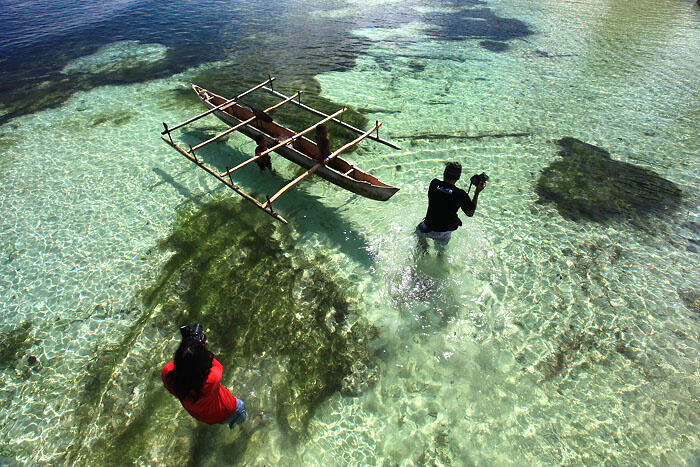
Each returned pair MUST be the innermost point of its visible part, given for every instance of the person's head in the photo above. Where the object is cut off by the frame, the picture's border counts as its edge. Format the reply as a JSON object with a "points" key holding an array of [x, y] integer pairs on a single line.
{"points": [[453, 170], [193, 361], [321, 131], [260, 140]]}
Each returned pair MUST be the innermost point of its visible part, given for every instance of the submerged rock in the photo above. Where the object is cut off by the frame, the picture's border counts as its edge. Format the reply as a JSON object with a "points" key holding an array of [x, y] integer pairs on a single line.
{"points": [[691, 299], [578, 349], [118, 56], [494, 46], [13, 343], [693, 227], [586, 184], [545, 54], [416, 65]]}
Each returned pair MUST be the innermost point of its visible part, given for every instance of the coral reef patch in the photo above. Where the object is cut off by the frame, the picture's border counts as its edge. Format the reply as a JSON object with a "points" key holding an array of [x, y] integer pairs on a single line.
{"points": [[578, 350], [586, 184], [494, 46], [691, 299], [13, 343]]}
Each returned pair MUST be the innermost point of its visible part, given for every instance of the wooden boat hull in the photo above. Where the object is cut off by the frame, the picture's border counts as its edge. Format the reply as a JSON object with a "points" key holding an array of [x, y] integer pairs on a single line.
{"points": [[302, 152]]}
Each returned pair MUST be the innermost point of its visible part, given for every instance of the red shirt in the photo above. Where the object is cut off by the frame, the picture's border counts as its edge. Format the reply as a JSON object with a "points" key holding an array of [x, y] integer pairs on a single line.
{"points": [[216, 404]]}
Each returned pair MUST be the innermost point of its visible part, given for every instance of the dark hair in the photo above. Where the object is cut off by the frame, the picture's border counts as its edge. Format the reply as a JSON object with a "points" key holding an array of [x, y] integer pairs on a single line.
{"points": [[453, 170], [260, 139], [192, 365]]}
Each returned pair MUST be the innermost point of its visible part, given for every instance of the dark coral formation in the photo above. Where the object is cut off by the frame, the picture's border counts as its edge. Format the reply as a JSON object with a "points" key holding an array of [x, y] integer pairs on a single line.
{"points": [[545, 54], [461, 136], [494, 46], [691, 299], [692, 235], [416, 65], [13, 344], [256, 297], [578, 346], [586, 184], [477, 24]]}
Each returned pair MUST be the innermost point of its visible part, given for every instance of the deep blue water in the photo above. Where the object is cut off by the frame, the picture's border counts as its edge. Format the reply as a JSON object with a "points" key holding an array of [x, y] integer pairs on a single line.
{"points": [[40, 37]]}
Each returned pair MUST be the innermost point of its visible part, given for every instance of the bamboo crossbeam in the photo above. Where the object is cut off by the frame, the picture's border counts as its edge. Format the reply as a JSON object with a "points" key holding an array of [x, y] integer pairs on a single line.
{"points": [[219, 107], [224, 181], [313, 169], [302, 133], [243, 123], [321, 114], [282, 143]]}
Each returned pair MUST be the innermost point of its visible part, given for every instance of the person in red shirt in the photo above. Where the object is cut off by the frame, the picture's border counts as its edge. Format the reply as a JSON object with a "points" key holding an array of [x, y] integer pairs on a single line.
{"points": [[194, 377]]}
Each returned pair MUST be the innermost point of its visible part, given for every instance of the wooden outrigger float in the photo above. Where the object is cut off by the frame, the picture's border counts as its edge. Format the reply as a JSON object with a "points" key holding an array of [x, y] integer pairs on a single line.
{"points": [[291, 145]]}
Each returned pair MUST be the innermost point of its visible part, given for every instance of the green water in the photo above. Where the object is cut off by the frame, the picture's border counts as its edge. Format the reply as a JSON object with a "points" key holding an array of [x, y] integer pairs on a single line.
{"points": [[536, 338]]}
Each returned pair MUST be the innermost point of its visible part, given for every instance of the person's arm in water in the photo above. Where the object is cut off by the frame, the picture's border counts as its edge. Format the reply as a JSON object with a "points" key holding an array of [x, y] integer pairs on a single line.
{"points": [[477, 190]]}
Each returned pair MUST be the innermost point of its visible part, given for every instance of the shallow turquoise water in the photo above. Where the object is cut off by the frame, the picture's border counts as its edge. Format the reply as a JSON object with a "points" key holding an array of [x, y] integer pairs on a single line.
{"points": [[533, 340]]}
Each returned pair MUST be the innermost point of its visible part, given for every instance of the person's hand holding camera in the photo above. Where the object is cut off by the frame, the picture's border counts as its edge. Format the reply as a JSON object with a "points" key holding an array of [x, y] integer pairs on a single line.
{"points": [[479, 181]]}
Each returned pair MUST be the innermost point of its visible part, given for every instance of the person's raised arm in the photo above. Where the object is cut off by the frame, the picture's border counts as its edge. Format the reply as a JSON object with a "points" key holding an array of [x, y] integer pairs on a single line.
{"points": [[470, 212]]}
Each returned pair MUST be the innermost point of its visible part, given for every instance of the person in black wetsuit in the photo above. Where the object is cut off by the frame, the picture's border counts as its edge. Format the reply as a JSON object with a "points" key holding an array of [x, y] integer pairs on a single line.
{"points": [[444, 200]]}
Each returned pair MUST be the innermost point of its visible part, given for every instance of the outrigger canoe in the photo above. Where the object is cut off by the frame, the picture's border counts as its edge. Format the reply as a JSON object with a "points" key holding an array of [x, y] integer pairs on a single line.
{"points": [[293, 146]]}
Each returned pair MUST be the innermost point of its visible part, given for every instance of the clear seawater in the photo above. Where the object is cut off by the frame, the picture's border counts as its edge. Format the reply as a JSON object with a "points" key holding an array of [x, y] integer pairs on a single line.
{"points": [[533, 339]]}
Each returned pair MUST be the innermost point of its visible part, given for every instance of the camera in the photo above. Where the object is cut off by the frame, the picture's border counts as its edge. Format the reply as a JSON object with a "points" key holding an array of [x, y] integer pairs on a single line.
{"points": [[195, 332], [477, 179]]}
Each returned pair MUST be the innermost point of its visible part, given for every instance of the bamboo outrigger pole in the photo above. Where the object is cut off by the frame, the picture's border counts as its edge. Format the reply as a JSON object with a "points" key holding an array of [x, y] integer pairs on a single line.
{"points": [[273, 198], [321, 114], [220, 107], [282, 143], [245, 122], [228, 183]]}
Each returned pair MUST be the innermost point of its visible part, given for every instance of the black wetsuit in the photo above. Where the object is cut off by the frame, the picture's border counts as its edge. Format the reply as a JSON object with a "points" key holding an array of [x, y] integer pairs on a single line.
{"points": [[444, 200]]}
